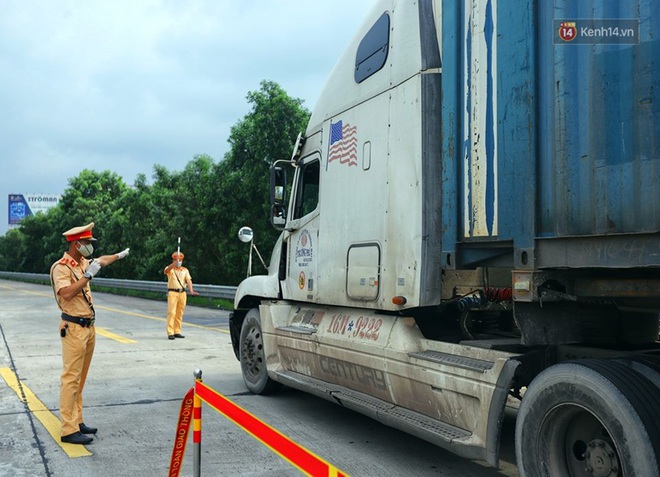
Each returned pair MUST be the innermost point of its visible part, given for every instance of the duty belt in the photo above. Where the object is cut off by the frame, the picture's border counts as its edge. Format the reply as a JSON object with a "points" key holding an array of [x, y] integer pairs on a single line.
{"points": [[179, 290], [84, 322]]}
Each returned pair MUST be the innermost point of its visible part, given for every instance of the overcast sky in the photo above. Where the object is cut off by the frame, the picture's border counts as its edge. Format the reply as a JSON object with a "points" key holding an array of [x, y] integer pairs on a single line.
{"points": [[122, 85]]}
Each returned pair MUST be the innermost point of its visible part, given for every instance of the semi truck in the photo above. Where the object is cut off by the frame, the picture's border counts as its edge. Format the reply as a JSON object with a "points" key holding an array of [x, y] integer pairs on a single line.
{"points": [[470, 223]]}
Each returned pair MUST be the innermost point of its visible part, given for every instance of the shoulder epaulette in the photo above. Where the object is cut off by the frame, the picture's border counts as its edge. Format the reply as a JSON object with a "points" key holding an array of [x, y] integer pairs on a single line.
{"points": [[68, 261]]}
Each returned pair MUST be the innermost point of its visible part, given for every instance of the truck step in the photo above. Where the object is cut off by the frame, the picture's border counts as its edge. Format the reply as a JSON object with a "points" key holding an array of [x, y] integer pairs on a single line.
{"points": [[473, 364], [389, 414]]}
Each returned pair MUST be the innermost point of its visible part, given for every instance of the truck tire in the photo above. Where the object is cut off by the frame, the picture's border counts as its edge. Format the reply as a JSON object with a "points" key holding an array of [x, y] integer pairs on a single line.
{"points": [[589, 418], [253, 357], [646, 366]]}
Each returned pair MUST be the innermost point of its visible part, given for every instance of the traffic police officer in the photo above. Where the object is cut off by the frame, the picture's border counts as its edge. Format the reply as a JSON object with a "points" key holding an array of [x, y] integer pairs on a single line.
{"points": [[70, 277], [178, 277]]}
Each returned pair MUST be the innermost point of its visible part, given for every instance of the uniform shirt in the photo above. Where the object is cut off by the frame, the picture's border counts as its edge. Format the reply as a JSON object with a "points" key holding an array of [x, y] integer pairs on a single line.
{"points": [[183, 275], [65, 272]]}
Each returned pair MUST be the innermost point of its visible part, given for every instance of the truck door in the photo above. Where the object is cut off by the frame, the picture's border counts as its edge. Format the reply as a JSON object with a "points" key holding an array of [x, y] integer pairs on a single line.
{"points": [[301, 277]]}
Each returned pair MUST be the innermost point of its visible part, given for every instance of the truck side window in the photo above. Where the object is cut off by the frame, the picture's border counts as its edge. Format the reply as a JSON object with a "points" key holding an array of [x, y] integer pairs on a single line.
{"points": [[372, 52], [307, 196]]}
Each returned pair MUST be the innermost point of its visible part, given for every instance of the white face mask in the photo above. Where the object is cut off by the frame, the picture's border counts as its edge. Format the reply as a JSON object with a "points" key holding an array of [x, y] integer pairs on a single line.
{"points": [[86, 249]]}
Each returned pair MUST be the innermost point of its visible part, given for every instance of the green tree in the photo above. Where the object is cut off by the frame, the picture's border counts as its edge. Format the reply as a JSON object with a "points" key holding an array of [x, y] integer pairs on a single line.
{"points": [[267, 133], [190, 199], [131, 226], [12, 249], [36, 235]]}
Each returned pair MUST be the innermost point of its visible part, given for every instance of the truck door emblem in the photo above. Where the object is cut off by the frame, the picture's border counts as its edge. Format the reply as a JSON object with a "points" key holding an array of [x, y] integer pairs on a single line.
{"points": [[304, 249]]}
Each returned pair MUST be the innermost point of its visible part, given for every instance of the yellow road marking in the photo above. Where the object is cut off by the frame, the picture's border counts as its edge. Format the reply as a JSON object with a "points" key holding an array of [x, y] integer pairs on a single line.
{"points": [[30, 292], [140, 315], [42, 413], [112, 336], [129, 313], [25, 291]]}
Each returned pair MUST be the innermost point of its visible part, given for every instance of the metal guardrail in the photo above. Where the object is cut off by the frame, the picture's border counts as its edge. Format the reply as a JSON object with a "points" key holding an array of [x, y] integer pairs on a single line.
{"points": [[212, 291]]}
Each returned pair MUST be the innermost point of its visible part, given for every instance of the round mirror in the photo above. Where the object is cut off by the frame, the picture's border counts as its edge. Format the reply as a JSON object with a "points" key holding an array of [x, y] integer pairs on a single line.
{"points": [[245, 234]]}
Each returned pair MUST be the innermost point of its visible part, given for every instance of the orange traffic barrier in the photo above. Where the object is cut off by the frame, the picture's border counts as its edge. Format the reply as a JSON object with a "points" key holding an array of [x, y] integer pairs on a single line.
{"points": [[306, 461]]}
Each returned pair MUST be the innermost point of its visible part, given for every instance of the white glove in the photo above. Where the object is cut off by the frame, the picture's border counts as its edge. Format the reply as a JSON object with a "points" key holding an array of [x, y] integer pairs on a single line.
{"points": [[123, 253], [93, 269]]}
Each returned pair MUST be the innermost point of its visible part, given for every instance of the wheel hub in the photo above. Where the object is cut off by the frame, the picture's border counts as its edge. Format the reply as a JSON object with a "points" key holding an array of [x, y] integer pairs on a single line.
{"points": [[250, 350], [248, 353], [601, 460]]}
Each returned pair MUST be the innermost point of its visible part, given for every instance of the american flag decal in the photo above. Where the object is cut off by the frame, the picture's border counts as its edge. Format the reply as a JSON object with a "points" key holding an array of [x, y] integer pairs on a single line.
{"points": [[343, 143]]}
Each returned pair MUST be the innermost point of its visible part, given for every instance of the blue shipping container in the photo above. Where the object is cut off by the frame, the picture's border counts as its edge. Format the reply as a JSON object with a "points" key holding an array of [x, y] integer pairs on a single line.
{"points": [[553, 143]]}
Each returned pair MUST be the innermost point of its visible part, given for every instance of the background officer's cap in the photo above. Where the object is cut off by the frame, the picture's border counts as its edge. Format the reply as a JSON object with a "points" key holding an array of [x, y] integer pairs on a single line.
{"points": [[177, 255], [84, 232]]}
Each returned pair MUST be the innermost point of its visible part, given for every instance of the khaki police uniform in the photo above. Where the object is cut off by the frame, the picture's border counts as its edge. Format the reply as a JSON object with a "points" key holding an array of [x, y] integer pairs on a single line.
{"points": [[177, 279], [80, 339]]}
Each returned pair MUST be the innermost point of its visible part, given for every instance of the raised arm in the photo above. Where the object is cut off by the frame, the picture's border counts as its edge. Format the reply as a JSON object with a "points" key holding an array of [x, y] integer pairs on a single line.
{"points": [[106, 260]]}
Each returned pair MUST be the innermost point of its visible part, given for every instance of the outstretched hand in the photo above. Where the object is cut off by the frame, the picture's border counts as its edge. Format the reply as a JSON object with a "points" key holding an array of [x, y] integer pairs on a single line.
{"points": [[123, 253]]}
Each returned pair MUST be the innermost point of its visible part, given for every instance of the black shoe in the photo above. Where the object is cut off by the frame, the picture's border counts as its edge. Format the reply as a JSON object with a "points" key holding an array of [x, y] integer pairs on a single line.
{"points": [[179, 335], [77, 438], [170, 337], [86, 429]]}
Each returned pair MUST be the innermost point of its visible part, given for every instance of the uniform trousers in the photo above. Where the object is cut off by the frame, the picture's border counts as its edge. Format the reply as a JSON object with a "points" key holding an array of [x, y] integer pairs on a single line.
{"points": [[77, 350], [176, 303]]}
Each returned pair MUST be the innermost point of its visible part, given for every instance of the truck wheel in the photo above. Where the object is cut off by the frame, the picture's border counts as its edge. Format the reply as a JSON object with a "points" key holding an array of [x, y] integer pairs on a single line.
{"points": [[253, 357], [589, 418]]}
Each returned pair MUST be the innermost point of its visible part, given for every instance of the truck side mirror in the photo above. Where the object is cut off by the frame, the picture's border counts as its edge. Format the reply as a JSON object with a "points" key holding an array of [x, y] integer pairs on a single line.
{"points": [[277, 185], [277, 196]]}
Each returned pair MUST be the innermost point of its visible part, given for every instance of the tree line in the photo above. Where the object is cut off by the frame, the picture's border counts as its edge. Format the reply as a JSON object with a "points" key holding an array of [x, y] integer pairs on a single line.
{"points": [[205, 204]]}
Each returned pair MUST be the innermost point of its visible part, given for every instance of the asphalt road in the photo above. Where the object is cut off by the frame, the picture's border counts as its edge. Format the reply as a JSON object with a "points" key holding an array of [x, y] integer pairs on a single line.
{"points": [[134, 393]]}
